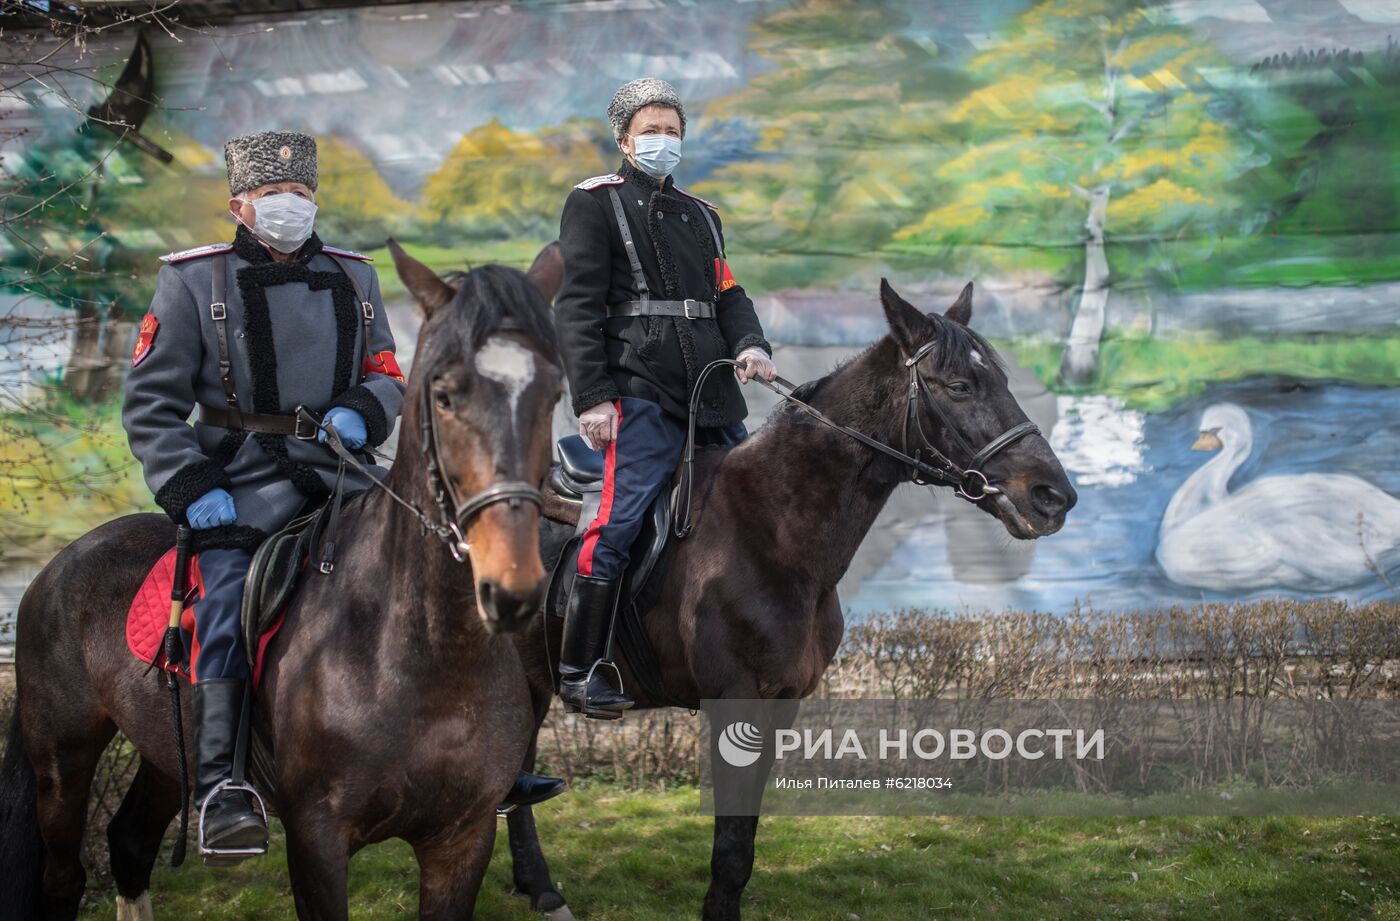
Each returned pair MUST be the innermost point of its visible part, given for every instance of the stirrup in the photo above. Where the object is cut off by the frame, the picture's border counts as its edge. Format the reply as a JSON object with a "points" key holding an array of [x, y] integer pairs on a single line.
{"points": [[216, 856], [605, 713]]}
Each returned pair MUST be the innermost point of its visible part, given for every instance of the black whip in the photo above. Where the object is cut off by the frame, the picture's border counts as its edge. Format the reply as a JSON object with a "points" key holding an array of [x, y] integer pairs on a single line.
{"points": [[174, 656]]}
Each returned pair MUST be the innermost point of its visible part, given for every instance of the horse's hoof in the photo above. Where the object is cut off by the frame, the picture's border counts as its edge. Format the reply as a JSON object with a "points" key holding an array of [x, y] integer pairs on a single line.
{"points": [[549, 902], [137, 909], [561, 913]]}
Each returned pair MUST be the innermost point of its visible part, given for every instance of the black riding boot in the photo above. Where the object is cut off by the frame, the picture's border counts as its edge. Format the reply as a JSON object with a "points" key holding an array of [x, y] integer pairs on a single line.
{"points": [[530, 789], [230, 822], [587, 640]]}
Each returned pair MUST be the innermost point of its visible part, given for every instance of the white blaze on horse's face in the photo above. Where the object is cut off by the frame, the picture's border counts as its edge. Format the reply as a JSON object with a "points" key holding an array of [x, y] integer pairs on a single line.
{"points": [[508, 363], [977, 359]]}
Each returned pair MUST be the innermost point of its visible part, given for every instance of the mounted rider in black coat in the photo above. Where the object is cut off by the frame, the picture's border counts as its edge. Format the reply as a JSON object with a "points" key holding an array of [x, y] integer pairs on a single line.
{"points": [[648, 300]]}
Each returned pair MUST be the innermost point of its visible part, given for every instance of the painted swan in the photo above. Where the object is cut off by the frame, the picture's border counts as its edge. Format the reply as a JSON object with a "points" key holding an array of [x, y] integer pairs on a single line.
{"points": [[1313, 532]]}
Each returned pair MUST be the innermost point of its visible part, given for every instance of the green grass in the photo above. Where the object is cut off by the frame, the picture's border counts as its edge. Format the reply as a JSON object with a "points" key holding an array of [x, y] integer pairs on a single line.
{"points": [[1154, 374], [622, 856]]}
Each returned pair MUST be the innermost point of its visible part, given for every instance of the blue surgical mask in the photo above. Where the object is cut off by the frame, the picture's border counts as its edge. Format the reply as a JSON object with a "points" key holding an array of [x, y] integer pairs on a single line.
{"points": [[656, 154]]}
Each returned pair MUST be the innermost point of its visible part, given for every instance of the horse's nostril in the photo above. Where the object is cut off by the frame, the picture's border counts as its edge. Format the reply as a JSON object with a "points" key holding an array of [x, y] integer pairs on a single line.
{"points": [[504, 606], [1050, 501], [486, 592]]}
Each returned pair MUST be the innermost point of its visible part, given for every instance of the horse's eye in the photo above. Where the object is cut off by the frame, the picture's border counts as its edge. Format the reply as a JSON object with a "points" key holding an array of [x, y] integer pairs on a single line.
{"points": [[443, 399], [959, 388]]}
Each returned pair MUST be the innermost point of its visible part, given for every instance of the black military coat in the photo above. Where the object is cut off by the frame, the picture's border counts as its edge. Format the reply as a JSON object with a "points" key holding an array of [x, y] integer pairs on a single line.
{"points": [[655, 358]]}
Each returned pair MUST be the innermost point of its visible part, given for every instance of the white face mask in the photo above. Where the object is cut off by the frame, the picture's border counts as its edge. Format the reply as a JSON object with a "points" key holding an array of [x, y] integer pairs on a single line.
{"points": [[656, 154], [283, 221]]}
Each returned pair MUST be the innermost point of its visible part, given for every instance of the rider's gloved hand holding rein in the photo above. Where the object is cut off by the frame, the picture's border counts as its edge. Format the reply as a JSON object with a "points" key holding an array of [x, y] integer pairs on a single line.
{"points": [[348, 424]]}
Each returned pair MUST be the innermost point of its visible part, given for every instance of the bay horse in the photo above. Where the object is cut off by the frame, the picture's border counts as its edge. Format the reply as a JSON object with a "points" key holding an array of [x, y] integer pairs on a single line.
{"points": [[747, 607], [395, 701]]}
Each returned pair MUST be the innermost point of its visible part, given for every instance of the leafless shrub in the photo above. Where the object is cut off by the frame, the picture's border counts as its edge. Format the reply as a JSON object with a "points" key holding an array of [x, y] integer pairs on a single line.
{"points": [[1247, 661]]}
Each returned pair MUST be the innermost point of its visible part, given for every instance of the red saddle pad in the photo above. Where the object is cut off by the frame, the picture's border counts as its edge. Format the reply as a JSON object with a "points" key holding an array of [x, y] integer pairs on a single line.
{"points": [[149, 615]]}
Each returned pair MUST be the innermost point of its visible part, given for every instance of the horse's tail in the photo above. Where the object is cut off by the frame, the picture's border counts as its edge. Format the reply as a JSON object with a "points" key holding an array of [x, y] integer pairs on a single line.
{"points": [[21, 849]]}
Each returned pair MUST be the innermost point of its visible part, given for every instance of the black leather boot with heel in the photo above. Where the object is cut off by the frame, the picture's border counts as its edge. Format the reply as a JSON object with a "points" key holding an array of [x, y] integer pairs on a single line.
{"points": [[587, 647], [230, 821]]}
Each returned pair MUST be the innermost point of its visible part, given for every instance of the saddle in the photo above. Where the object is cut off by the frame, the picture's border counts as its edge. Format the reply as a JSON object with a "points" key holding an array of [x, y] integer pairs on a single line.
{"points": [[578, 480], [272, 579]]}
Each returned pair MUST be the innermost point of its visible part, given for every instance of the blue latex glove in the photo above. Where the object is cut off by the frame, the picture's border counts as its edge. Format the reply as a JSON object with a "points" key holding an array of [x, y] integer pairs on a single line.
{"points": [[348, 424], [211, 510]]}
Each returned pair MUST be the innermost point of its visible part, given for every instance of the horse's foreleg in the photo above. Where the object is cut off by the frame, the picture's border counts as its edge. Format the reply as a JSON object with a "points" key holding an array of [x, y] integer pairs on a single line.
{"points": [[731, 865], [451, 868], [134, 835], [528, 867], [318, 859], [731, 859]]}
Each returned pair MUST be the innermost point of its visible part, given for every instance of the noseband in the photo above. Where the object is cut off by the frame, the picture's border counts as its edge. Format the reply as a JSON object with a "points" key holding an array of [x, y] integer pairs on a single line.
{"points": [[927, 465]]}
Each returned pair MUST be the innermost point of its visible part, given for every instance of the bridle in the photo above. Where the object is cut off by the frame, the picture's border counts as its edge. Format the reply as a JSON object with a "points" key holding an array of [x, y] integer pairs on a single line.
{"points": [[927, 465], [940, 470], [457, 513], [454, 513]]}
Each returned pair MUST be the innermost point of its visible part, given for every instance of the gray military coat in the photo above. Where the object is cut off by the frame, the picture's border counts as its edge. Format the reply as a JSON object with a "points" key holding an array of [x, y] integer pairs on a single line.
{"points": [[294, 331]]}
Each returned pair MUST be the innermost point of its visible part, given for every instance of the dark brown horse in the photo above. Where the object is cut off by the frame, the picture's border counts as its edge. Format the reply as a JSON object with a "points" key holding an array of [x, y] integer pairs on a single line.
{"points": [[393, 695], [748, 607]]}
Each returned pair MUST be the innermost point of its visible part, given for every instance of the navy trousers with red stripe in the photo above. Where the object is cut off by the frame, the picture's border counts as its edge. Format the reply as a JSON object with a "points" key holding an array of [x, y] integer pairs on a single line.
{"points": [[217, 623], [637, 465]]}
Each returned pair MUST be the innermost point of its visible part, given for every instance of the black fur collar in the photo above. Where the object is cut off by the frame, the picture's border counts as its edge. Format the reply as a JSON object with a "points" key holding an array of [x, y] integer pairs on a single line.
{"points": [[638, 177]]}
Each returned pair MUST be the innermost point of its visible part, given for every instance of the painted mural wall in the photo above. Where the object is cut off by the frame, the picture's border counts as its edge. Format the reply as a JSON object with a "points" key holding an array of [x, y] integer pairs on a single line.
{"points": [[1181, 219]]}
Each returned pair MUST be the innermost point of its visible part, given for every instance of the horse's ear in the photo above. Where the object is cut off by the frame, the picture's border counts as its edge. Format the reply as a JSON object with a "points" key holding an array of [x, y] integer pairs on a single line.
{"points": [[909, 326], [422, 282], [961, 311], [547, 271]]}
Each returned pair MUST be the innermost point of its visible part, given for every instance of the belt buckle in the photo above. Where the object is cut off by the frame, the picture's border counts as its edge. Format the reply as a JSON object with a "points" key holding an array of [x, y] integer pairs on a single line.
{"points": [[687, 304], [299, 416]]}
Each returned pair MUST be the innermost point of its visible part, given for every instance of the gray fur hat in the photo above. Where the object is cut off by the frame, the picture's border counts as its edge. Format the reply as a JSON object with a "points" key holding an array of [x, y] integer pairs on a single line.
{"points": [[637, 95], [270, 156]]}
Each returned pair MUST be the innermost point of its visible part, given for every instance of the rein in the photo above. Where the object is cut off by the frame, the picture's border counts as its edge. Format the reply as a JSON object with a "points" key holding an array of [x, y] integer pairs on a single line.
{"points": [[453, 514], [928, 466]]}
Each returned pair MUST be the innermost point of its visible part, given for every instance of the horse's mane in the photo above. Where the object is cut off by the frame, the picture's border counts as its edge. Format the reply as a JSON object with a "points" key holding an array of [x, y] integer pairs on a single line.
{"points": [[488, 298]]}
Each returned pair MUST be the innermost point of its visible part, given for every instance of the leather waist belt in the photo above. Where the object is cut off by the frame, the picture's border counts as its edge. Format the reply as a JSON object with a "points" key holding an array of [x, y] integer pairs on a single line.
{"points": [[690, 309], [264, 423]]}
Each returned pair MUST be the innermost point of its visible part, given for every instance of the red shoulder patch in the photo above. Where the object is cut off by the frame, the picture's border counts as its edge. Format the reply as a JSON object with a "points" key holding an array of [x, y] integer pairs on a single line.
{"points": [[724, 279], [383, 363], [145, 339]]}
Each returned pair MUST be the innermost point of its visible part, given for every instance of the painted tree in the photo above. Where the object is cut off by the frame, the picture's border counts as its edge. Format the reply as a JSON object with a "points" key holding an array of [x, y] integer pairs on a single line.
{"points": [[506, 183], [1095, 130], [845, 130]]}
